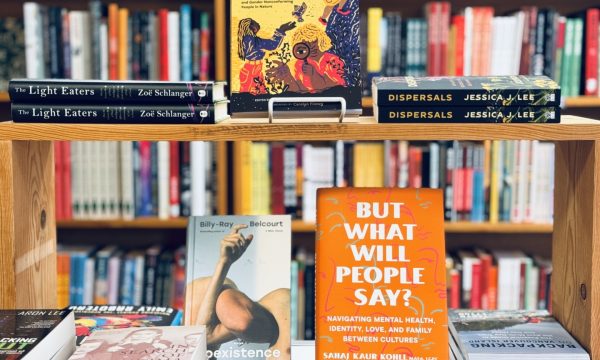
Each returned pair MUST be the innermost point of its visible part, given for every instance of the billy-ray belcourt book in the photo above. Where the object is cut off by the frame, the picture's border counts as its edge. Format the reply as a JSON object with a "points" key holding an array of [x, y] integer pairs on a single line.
{"points": [[294, 48], [36, 334], [381, 290], [238, 285]]}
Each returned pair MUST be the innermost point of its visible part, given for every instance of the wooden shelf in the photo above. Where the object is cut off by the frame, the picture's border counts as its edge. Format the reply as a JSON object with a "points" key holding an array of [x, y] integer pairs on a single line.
{"points": [[363, 128], [299, 226]]}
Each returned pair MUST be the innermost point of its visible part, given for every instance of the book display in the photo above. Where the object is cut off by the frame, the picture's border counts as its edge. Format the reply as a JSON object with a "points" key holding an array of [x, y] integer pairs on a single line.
{"points": [[146, 193]]}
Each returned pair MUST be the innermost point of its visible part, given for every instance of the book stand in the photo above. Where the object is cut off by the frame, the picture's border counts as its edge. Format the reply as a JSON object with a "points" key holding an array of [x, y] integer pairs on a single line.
{"points": [[313, 100]]}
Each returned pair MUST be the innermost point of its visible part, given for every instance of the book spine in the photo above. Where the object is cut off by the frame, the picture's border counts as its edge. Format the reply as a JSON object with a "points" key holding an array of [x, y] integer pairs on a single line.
{"points": [[101, 282], [55, 44], [164, 169], [591, 52], [463, 98], [174, 181], [100, 92], [173, 46], [185, 178], [309, 285], [277, 179], [202, 114], [150, 278], [163, 43], [478, 114], [476, 290], [33, 40], [205, 45], [185, 16], [114, 272], [198, 165], [113, 41]]}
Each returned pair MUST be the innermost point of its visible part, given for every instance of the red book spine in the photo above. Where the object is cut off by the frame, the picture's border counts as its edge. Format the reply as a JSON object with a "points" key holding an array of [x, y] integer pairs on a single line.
{"points": [[476, 286], [591, 52], [68, 210], [542, 288], [277, 185], [58, 181], [455, 289], [163, 43], [459, 46], [393, 170], [487, 16], [178, 292], [415, 155], [174, 179], [205, 35], [522, 289], [430, 10], [486, 264], [444, 35], [113, 41], [493, 287]]}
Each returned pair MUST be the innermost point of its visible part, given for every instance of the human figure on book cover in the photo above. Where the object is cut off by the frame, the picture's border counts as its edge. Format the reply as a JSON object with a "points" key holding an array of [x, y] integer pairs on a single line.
{"points": [[251, 49], [229, 314]]}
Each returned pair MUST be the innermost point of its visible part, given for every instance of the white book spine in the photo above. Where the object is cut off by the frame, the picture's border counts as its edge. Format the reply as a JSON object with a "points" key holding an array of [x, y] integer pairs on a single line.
{"points": [[403, 164], [163, 180], [524, 179], [114, 176], [76, 41], [95, 161], [339, 163], [434, 165], [127, 194], [88, 289], [534, 181], [210, 178], [533, 280], [173, 46], [138, 281], [33, 40], [86, 183], [518, 42], [497, 58], [468, 45], [198, 166], [103, 51], [503, 283], [114, 269], [86, 45]]}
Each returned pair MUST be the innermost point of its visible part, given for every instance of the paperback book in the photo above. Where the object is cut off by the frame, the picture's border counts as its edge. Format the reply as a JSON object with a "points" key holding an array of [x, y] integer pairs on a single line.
{"points": [[36, 334], [301, 48], [89, 318], [488, 335], [161, 342], [381, 289], [238, 284], [457, 114]]}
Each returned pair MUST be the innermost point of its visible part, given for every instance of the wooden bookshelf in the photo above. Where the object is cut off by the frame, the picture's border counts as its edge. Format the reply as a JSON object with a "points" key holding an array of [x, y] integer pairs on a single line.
{"points": [[363, 128]]}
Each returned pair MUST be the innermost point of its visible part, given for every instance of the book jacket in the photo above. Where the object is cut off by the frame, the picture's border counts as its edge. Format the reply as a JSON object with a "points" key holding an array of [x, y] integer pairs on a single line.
{"points": [[89, 318], [238, 285], [381, 289], [299, 48], [161, 342]]}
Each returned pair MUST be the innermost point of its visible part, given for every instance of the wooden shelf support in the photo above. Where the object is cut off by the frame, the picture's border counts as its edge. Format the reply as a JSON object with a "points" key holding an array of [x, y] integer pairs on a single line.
{"points": [[576, 242], [27, 225]]}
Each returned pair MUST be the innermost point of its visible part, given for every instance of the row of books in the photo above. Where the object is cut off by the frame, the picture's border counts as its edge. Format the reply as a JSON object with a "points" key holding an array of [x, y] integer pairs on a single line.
{"points": [[303, 295], [110, 275], [476, 41], [111, 42], [503, 280], [508, 181], [12, 50], [111, 180]]}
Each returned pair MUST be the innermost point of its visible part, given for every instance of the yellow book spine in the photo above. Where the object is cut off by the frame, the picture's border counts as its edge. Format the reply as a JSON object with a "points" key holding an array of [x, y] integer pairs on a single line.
{"points": [[378, 158], [494, 191], [357, 171], [451, 59], [123, 44], [374, 18]]}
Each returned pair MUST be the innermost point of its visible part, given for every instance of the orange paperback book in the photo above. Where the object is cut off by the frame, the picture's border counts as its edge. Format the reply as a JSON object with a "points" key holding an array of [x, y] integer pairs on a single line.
{"points": [[381, 285]]}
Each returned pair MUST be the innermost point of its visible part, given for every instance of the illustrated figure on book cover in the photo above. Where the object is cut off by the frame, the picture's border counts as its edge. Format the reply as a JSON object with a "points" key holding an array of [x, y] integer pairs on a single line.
{"points": [[285, 48], [238, 288]]}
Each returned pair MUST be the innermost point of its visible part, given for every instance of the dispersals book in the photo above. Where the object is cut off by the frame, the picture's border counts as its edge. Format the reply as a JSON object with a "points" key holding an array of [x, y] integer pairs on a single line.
{"points": [[515, 90], [52, 91], [302, 48], [121, 114], [161, 342], [381, 286], [35, 334], [492, 335], [238, 283], [471, 114], [89, 318]]}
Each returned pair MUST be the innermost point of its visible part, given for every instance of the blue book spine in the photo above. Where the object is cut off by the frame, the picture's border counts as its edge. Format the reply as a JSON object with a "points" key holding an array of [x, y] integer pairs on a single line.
{"points": [[81, 258], [185, 24], [478, 212], [177, 319], [126, 281]]}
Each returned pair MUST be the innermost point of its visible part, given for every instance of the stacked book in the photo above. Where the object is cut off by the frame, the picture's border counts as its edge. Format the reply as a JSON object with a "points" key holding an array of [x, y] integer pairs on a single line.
{"points": [[499, 335], [118, 102], [482, 99]]}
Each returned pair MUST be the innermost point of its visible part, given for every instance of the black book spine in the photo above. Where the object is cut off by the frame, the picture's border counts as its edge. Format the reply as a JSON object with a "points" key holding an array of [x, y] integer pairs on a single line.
{"points": [[483, 114], [550, 31], [55, 44], [66, 50], [46, 39], [403, 47], [150, 278], [540, 38], [154, 177], [143, 46], [185, 178], [96, 20], [200, 114], [104, 92], [472, 97], [136, 46]]}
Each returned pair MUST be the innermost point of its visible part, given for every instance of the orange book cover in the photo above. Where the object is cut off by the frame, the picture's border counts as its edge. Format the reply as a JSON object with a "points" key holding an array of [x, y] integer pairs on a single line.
{"points": [[123, 44], [113, 41], [381, 284]]}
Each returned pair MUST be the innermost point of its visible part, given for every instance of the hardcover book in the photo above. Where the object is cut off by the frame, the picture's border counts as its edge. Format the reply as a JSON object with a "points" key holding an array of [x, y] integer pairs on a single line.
{"points": [[515, 90], [381, 289], [501, 334], [35, 334], [161, 342], [89, 318], [300, 48], [467, 114], [238, 284]]}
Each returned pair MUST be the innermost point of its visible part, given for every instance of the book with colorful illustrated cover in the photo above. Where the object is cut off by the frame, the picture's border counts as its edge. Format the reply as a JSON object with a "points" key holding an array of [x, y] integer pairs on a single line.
{"points": [[381, 289], [238, 285], [36, 334], [504, 334], [161, 342], [299, 48], [89, 318]]}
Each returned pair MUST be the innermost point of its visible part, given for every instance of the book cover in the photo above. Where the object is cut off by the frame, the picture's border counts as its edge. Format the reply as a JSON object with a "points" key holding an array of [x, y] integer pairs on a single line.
{"points": [[89, 318], [294, 49], [161, 342], [238, 284], [33, 334], [466, 91], [381, 289], [491, 334]]}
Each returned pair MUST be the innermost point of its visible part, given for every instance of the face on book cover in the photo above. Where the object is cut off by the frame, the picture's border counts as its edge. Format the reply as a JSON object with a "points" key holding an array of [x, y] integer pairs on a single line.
{"points": [[238, 291]]}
